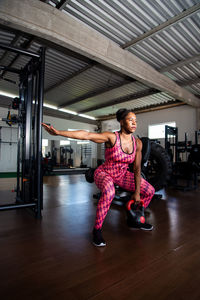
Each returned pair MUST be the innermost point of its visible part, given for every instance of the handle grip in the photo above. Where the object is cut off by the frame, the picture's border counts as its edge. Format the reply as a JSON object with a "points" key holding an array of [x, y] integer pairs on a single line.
{"points": [[130, 202]]}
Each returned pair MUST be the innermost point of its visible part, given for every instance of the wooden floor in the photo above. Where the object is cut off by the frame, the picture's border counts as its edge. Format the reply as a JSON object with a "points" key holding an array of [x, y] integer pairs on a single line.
{"points": [[54, 258]]}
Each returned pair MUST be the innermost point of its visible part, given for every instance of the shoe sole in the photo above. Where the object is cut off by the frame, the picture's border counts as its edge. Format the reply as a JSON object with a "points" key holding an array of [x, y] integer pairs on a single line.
{"points": [[100, 245], [144, 229]]}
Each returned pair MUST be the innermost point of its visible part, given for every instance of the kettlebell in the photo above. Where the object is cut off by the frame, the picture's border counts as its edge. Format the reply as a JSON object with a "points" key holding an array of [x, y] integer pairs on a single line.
{"points": [[136, 211]]}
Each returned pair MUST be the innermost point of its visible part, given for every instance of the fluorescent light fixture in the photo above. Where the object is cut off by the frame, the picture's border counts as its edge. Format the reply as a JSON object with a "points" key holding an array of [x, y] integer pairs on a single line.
{"points": [[80, 143], [2, 93], [50, 106], [68, 111], [86, 116]]}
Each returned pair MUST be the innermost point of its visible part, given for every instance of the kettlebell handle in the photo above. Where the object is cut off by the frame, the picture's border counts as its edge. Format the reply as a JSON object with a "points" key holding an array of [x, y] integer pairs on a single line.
{"points": [[130, 202]]}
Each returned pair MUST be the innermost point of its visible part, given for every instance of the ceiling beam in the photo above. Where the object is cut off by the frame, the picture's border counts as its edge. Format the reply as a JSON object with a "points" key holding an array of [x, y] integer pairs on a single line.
{"points": [[107, 89], [130, 97], [39, 19], [160, 106], [127, 82], [180, 64], [135, 96], [153, 107], [162, 26]]}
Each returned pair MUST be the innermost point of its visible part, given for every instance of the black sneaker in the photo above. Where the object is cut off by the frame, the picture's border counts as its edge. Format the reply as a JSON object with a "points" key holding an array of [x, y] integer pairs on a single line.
{"points": [[146, 226], [98, 240], [135, 225]]}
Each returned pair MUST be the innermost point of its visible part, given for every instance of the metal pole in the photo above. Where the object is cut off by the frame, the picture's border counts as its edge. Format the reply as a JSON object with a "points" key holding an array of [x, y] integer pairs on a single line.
{"points": [[28, 140], [34, 170], [176, 144], [19, 50], [18, 150], [14, 206], [39, 133], [23, 93]]}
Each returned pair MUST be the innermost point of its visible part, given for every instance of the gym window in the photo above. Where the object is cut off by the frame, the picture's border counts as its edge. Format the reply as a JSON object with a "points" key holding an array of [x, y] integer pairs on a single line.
{"points": [[64, 142], [44, 142], [82, 142], [157, 131]]}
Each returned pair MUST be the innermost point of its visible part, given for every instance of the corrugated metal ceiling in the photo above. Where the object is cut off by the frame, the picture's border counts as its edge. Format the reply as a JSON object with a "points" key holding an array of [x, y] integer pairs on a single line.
{"points": [[165, 34]]}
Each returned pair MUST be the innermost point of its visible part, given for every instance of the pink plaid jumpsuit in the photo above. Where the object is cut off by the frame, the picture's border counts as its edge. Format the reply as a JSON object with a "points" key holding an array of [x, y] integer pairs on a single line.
{"points": [[114, 171]]}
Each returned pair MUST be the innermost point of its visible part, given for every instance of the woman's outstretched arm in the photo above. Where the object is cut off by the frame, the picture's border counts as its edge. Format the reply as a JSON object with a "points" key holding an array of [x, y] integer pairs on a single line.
{"points": [[81, 134]]}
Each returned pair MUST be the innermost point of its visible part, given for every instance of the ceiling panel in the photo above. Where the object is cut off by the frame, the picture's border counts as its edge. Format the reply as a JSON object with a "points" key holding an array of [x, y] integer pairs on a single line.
{"points": [[78, 84]]}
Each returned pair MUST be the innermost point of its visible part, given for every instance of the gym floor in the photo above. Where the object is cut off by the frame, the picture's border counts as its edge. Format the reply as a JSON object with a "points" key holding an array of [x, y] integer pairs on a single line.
{"points": [[54, 258]]}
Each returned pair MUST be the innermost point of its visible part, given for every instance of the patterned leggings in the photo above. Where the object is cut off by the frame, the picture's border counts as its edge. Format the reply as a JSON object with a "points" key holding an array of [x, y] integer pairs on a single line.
{"points": [[106, 184]]}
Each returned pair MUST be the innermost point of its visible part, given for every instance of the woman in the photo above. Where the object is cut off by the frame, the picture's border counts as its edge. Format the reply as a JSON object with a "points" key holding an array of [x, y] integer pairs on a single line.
{"points": [[121, 150]]}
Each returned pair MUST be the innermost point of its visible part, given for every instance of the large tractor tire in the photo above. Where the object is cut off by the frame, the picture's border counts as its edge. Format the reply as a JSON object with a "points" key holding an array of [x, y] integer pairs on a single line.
{"points": [[158, 168]]}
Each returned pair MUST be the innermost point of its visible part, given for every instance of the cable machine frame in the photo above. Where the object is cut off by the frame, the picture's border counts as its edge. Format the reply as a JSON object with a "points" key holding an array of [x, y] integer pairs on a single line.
{"points": [[29, 189]]}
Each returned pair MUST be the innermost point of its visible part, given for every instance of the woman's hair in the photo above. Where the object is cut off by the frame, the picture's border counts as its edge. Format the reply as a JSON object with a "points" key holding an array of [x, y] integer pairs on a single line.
{"points": [[122, 113]]}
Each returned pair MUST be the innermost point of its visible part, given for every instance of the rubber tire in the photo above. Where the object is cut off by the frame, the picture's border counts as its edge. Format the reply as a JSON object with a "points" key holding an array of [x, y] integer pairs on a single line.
{"points": [[159, 167], [146, 149]]}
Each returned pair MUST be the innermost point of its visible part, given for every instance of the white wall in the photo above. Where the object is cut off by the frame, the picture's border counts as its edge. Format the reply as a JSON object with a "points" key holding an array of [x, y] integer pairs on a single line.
{"points": [[8, 151], [8, 144], [185, 117], [62, 124]]}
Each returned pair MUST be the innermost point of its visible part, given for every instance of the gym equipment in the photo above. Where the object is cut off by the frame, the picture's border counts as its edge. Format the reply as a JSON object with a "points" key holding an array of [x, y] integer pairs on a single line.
{"points": [[187, 170], [64, 161], [11, 119], [47, 166], [29, 190], [175, 148], [136, 211]]}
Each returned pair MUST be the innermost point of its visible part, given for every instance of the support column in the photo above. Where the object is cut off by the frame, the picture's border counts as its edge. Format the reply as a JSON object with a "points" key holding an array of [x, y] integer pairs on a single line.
{"points": [[198, 118]]}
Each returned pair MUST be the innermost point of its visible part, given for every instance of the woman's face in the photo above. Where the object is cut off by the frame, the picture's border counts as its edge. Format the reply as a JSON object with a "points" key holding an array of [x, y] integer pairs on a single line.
{"points": [[129, 123]]}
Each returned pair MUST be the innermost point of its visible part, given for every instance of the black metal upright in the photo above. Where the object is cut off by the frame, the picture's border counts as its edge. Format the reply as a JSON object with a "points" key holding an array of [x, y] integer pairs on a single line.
{"points": [[29, 153], [39, 132]]}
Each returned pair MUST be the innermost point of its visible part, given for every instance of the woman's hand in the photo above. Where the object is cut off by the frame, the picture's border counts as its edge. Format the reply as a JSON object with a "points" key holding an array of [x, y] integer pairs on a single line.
{"points": [[50, 129], [136, 197]]}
